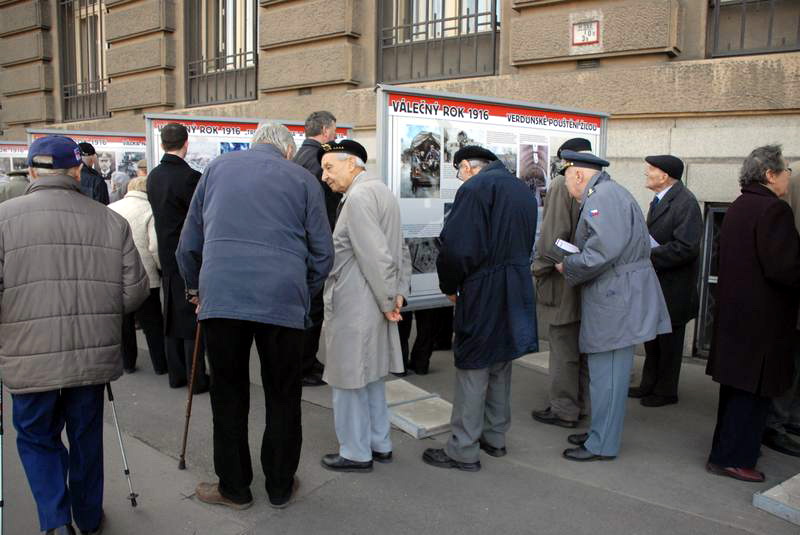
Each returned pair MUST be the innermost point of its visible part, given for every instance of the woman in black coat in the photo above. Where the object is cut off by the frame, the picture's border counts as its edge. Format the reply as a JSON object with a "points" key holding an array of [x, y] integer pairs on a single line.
{"points": [[757, 302]]}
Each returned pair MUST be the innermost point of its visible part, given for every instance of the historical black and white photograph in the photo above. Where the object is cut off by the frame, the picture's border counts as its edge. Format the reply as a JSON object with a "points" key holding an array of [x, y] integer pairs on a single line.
{"points": [[458, 138], [201, 152], [233, 146], [421, 147], [106, 164], [533, 168], [506, 154], [128, 161], [423, 254]]}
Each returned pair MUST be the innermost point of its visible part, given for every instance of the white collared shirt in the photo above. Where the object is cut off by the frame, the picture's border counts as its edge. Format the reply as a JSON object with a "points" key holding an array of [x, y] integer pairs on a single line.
{"points": [[663, 192]]}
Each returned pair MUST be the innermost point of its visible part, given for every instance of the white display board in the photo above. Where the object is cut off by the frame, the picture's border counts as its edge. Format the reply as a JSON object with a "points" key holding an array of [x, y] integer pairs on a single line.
{"points": [[13, 156], [419, 132], [116, 151], [211, 136]]}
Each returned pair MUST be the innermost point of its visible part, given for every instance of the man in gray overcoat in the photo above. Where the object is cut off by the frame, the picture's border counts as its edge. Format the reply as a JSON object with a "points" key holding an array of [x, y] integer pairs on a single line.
{"points": [[621, 300], [363, 296]]}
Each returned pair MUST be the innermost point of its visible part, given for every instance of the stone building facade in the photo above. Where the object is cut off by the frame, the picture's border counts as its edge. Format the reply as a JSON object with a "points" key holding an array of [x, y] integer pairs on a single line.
{"points": [[706, 80]]}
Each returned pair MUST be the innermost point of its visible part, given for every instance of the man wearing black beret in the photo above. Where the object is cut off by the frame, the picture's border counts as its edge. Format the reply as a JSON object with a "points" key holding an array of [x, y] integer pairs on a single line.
{"points": [[676, 228]]}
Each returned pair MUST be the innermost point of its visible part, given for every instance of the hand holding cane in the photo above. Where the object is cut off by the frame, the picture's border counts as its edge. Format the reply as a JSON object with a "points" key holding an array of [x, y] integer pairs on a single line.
{"points": [[182, 462]]}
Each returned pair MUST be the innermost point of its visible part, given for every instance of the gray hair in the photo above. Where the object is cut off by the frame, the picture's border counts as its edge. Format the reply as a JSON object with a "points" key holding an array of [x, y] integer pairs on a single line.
{"points": [[344, 155], [274, 133], [763, 159], [46, 160], [480, 164], [317, 121]]}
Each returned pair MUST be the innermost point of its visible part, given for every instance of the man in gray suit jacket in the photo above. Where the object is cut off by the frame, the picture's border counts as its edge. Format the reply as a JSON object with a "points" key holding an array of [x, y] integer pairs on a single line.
{"points": [[621, 300]]}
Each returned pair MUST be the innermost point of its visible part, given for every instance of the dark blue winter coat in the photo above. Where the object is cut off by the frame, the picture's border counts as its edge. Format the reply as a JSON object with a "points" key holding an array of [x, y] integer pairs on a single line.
{"points": [[485, 259]]}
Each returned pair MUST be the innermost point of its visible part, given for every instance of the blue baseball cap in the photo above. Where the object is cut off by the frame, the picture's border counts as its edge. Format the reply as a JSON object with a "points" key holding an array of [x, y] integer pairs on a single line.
{"points": [[64, 151]]}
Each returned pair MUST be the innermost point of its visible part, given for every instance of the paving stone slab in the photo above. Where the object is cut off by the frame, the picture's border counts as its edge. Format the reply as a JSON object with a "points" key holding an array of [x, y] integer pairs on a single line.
{"points": [[399, 391], [781, 500], [423, 418], [539, 362]]}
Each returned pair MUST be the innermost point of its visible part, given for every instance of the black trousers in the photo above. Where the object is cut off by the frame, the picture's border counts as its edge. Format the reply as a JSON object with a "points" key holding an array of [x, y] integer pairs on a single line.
{"points": [[179, 363], [434, 328], [279, 350], [310, 348], [662, 363], [152, 322], [741, 419]]}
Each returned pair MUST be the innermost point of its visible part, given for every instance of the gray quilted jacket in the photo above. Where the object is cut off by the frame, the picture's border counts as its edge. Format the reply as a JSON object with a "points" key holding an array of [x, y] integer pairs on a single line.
{"points": [[68, 271]]}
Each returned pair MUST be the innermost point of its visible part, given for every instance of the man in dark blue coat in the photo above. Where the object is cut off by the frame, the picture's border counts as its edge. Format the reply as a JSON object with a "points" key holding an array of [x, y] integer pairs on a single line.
{"points": [[484, 269], [92, 183]]}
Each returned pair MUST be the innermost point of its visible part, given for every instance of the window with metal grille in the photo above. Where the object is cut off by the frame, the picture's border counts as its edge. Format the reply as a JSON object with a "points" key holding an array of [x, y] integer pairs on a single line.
{"points": [[436, 39], [739, 27], [83, 68], [221, 54]]}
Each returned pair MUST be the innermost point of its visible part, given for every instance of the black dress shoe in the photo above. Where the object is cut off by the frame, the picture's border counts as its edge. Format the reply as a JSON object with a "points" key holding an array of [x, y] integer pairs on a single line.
{"points": [[337, 463], [654, 400], [420, 370], [313, 380], [491, 450], [781, 442], [129, 370], [547, 416], [439, 458], [581, 454], [384, 458], [579, 439], [98, 530], [202, 385], [63, 530], [637, 392]]}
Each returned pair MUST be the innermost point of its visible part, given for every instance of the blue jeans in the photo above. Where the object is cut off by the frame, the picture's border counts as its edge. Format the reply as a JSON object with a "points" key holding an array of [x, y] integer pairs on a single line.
{"points": [[39, 420]]}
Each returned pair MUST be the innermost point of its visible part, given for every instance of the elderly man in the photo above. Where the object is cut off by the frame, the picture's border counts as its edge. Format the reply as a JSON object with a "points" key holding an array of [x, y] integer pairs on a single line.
{"points": [[170, 187], [16, 185], [255, 247], [320, 128], [676, 229], [621, 300], [363, 296], [484, 269], [92, 183], [754, 323], [559, 303], [141, 168], [61, 339]]}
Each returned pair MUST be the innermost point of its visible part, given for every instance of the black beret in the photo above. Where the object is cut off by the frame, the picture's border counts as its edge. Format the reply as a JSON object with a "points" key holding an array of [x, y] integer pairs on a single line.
{"points": [[472, 152], [581, 159], [87, 149], [669, 164], [347, 146], [576, 144]]}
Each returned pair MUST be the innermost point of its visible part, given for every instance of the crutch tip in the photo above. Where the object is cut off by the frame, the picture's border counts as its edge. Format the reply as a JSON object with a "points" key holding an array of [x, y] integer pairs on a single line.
{"points": [[182, 465], [133, 500]]}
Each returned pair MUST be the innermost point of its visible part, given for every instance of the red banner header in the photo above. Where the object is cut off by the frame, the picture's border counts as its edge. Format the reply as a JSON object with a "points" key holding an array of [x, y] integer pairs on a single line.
{"points": [[98, 139]]}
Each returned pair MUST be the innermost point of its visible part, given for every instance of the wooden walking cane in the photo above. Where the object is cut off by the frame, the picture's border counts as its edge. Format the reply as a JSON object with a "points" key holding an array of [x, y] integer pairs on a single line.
{"points": [[182, 462]]}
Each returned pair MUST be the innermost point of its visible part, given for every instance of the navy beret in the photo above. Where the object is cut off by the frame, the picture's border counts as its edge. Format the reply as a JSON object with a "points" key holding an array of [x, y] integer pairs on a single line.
{"points": [[576, 144], [347, 146], [472, 152], [669, 164], [581, 159]]}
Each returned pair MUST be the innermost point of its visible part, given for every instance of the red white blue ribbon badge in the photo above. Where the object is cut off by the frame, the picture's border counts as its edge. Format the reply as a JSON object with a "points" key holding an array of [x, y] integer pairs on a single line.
{"points": [[594, 213]]}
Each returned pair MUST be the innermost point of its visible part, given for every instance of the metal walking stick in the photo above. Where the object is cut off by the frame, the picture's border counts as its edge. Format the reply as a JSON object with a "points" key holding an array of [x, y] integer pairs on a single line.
{"points": [[182, 461], [132, 496], [1, 457]]}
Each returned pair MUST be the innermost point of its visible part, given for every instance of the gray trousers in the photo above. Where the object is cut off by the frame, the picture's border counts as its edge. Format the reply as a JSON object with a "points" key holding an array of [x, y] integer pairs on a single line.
{"points": [[481, 408], [361, 419], [569, 373], [785, 410], [610, 377]]}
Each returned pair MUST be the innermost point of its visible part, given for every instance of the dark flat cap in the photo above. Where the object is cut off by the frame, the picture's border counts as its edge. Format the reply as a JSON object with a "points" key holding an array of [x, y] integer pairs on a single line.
{"points": [[472, 152], [581, 159], [87, 149], [576, 144], [347, 146], [669, 164]]}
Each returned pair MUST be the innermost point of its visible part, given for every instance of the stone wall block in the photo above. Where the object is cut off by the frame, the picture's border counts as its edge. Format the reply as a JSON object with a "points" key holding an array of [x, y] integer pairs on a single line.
{"points": [[24, 48], [308, 21], [156, 90], [140, 19], [26, 79], [33, 108], [308, 67], [713, 182], [156, 53], [24, 16]]}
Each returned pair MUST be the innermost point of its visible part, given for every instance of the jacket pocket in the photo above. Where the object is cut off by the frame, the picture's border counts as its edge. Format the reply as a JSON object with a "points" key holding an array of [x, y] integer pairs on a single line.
{"points": [[545, 291]]}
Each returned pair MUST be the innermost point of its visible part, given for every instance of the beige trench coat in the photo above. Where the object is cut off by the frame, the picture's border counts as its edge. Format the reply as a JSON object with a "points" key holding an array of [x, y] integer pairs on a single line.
{"points": [[371, 266]]}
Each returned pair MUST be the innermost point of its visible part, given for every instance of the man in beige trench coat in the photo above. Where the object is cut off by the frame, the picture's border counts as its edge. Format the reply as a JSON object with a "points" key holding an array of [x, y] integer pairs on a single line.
{"points": [[363, 295]]}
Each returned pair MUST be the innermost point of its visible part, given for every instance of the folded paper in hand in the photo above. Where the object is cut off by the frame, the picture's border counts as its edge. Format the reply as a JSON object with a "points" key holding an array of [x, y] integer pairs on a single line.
{"points": [[567, 247]]}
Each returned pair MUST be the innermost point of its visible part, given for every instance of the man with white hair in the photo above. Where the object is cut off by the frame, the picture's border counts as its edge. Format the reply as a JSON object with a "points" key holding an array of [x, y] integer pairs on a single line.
{"points": [[363, 296], [256, 245]]}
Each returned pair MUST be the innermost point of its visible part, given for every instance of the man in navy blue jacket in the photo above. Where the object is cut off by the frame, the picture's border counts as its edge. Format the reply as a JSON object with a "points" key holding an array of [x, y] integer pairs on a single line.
{"points": [[256, 246], [484, 268]]}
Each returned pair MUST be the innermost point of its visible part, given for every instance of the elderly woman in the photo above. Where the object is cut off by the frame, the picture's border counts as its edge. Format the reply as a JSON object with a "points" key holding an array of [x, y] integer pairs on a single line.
{"points": [[621, 300], [119, 185], [135, 208], [757, 300]]}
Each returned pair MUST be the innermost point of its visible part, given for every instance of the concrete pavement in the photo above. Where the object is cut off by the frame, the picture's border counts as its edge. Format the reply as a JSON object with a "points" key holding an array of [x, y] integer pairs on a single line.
{"points": [[658, 485]]}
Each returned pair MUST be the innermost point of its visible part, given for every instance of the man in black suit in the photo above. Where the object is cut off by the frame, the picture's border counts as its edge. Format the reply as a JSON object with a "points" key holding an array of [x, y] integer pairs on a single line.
{"points": [[170, 187], [676, 229], [320, 128]]}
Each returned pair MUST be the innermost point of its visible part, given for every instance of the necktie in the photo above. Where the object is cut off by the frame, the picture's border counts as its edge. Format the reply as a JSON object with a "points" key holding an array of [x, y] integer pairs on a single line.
{"points": [[339, 210], [653, 203]]}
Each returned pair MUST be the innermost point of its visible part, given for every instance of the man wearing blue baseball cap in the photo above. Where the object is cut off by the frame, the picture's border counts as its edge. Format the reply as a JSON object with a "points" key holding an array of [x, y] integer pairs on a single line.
{"points": [[64, 286]]}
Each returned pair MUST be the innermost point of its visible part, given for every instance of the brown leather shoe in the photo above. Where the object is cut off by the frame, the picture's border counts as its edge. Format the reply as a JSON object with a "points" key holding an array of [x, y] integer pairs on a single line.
{"points": [[751, 475], [209, 493]]}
